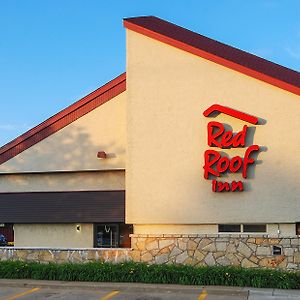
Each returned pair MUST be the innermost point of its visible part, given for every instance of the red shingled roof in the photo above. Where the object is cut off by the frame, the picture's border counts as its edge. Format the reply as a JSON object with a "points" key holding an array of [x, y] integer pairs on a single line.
{"points": [[63, 118], [217, 52]]}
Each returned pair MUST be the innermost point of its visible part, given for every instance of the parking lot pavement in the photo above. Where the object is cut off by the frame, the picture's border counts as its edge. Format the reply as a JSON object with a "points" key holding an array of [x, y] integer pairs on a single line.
{"points": [[10, 293], [50, 290], [51, 293]]}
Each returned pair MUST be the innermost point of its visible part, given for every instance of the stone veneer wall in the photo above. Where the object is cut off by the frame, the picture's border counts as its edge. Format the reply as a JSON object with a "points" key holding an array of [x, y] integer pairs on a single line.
{"points": [[249, 251], [47, 255], [237, 250]]}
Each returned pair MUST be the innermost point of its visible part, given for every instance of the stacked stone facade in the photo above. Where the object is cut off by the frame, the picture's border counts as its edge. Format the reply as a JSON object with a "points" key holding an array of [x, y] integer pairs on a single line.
{"points": [[223, 250], [46, 255], [197, 250]]}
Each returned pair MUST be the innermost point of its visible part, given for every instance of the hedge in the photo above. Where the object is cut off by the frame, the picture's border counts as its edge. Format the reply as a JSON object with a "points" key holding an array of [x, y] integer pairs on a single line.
{"points": [[140, 272]]}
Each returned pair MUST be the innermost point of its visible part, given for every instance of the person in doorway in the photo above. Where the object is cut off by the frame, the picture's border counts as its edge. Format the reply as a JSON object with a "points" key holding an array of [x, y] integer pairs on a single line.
{"points": [[3, 241]]}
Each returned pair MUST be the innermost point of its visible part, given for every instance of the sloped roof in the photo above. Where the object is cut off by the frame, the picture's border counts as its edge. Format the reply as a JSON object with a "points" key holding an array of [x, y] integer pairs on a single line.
{"points": [[63, 118], [217, 52]]}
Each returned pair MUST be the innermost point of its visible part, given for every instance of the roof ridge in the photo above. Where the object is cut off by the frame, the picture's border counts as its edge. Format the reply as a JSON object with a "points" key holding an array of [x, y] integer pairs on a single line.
{"points": [[64, 117]]}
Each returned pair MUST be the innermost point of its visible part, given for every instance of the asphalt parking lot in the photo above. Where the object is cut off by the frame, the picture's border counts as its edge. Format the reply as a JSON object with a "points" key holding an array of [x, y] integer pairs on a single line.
{"points": [[22, 289], [10, 293]]}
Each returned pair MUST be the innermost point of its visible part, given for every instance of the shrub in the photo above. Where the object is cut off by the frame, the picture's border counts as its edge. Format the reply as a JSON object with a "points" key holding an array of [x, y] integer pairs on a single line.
{"points": [[140, 272]]}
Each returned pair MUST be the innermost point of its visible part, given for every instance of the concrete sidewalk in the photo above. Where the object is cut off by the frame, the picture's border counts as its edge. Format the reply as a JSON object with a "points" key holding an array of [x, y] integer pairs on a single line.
{"points": [[148, 288]]}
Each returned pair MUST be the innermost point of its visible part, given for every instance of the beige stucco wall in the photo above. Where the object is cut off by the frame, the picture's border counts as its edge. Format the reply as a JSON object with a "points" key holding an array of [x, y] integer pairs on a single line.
{"points": [[67, 181], [75, 147], [54, 235], [167, 91], [284, 229]]}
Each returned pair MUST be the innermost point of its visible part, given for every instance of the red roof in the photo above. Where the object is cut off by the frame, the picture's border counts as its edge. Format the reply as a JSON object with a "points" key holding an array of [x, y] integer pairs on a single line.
{"points": [[217, 52], [63, 118]]}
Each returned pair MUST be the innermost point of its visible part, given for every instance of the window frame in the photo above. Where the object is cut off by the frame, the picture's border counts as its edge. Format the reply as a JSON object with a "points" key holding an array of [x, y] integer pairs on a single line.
{"points": [[241, 231]]}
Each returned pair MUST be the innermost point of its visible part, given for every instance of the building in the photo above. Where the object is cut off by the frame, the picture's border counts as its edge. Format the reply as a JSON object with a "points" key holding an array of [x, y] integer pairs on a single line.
{"points": [[207, 134]]}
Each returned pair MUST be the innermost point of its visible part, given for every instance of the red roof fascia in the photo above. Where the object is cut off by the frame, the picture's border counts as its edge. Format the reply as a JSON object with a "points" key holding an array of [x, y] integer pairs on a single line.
{"points": [[231, 112], [217, 52], [63, 118]]}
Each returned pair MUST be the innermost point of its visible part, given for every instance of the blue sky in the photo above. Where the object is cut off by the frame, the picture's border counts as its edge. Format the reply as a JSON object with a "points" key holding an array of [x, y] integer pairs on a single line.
{"points": [[53, 52]]}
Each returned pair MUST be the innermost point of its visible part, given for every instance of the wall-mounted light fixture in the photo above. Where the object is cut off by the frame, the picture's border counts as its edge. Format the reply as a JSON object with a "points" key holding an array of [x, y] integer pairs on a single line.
{"points": [[101, 154], [78, 228]]}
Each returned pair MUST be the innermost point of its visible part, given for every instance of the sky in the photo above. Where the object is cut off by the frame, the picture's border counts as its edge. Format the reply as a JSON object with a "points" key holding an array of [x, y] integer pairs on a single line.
{"points": [[54, 52]]}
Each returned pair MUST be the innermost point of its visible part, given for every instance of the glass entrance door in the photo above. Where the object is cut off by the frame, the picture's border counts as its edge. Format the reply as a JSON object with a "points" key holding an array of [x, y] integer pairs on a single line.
{"points": [[106, 235]]}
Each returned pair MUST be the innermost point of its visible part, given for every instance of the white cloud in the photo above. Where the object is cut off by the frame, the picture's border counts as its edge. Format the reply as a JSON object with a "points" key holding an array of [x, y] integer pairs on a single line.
{"points": [[7, 127], [11, 127], [292, 52]]}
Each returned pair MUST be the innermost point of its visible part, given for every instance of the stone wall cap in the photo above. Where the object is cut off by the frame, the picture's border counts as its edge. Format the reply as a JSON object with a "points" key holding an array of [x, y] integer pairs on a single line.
{"points": [[219, 235]]}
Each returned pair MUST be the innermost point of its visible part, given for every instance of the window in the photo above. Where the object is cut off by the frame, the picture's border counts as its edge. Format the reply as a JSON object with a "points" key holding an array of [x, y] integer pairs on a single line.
{"points": [[254, 228], [106, 235], [243, 228], [229, 228], [298, 228], [112, 235]]}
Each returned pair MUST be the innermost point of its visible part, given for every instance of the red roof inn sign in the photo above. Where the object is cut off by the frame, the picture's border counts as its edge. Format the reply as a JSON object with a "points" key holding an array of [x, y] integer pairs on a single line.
{"points": [[214, 163]]}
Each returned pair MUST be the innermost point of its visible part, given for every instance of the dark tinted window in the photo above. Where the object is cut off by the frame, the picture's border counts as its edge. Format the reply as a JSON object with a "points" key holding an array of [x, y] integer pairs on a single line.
{"points": [[229, 228], [112, 235], [255, 228], [106, 235]]}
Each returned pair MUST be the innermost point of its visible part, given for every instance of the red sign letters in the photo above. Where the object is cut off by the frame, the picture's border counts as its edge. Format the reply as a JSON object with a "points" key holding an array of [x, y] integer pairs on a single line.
{"points": [[215, 164]]}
